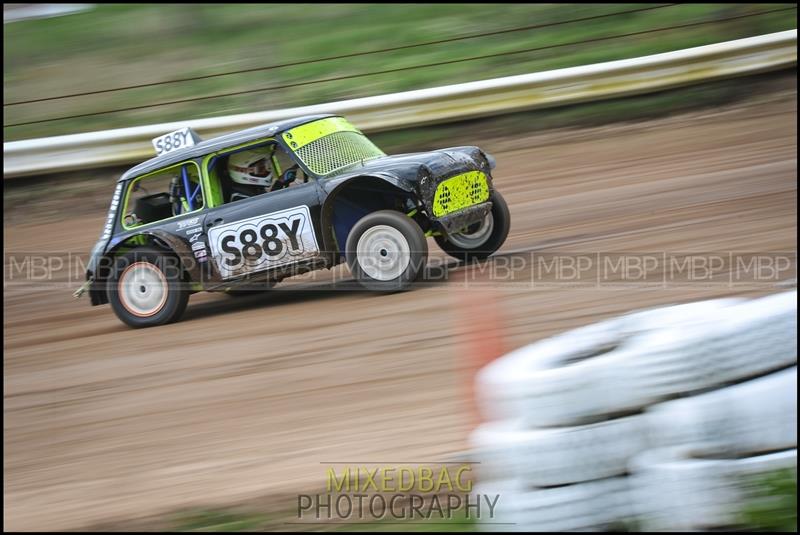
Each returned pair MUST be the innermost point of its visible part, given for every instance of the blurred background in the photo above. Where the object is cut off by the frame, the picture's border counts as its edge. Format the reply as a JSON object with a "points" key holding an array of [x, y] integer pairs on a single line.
{"points": [[222, 419], [115, 46]]}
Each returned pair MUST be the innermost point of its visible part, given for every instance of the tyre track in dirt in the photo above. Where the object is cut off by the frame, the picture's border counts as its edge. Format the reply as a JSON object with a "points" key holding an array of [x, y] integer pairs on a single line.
{"points": [[246, 398]]}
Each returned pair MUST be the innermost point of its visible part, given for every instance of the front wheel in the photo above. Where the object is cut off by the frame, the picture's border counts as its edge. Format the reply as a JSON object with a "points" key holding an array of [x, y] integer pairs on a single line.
{"points": [[147, 288], [386, 251], [481, 239]]}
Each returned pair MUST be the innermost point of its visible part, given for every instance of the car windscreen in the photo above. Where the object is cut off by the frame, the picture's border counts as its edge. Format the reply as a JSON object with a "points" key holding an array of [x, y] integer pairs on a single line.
{"points": [[330, 145]]}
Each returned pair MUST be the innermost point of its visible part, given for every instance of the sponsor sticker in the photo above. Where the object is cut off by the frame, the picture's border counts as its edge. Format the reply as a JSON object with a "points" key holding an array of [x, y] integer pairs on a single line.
{"points": [[263, 242], [189, 223], [112, 212]]}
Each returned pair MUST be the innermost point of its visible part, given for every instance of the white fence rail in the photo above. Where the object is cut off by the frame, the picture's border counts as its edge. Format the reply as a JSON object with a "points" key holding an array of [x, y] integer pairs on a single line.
{"points": [[426, 106]]}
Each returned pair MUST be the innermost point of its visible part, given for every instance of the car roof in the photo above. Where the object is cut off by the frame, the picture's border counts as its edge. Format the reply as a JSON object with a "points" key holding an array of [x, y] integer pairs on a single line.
{"points": [[219, 143]]}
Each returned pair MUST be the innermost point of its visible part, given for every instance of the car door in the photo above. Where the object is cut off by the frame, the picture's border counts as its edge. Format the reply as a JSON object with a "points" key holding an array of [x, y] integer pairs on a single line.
{"points": [[264, 232]]}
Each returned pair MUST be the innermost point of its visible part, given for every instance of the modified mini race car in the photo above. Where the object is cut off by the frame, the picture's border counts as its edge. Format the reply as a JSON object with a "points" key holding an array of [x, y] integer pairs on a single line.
{"points": [[240, 212]]}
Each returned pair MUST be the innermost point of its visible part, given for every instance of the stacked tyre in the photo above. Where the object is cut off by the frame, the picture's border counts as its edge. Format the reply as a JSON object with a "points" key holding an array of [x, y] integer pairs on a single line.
{"points": [[710, 448], [570, 417]]}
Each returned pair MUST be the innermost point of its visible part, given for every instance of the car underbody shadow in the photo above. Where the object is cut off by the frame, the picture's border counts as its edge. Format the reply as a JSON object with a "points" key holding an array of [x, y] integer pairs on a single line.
{"points": [[286, 294], [438, 273]]}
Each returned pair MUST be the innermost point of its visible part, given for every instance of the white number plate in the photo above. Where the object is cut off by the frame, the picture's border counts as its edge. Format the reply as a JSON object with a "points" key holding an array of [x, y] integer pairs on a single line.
{"points": [[175, 140], [263, 242]]}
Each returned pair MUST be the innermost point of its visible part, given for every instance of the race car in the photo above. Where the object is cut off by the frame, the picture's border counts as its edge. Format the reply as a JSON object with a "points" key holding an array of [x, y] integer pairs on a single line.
{"points": [[240, 212]]}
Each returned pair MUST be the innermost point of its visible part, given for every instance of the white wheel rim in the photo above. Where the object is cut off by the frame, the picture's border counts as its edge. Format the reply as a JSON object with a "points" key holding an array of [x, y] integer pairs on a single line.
{"points": [[143, 289], [383, 253], [476, 238]]}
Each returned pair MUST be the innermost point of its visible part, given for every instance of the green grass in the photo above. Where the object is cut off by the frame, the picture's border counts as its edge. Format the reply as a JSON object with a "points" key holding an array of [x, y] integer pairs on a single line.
{"points": [[771, 506], [457, 524], [772, 502], [230, 520], [219, 520], [117, 45]]}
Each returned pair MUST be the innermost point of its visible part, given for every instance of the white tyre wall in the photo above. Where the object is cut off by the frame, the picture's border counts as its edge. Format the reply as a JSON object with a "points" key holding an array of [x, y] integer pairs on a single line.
{"points": [[765, 332], [583, 506], [567, 379], [533, 384], [558, 456], [755, 416], [743, 341], [673, 489], [493, 449]]}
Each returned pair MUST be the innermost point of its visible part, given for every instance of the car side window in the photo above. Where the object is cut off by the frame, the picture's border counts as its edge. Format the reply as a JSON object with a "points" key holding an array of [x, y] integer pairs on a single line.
{"points": [[286, 162], [255, 170], [161, 195]]}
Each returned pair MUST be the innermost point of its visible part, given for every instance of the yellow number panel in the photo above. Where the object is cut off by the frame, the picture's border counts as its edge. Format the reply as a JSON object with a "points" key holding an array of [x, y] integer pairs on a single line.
{"points": [[460, 192]]}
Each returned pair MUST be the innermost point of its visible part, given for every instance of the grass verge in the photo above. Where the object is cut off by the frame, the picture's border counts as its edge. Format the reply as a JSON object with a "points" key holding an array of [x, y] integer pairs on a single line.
{"points": [[115, 45]]}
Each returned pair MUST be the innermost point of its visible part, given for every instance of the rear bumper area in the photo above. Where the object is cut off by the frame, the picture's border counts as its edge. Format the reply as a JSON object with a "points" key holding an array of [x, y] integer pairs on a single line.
{"points": [[98, 294], [465, 217]]}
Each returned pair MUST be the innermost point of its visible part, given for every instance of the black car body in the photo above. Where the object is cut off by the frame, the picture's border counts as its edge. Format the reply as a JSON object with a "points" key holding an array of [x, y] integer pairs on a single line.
{"points": [[224, 245]]}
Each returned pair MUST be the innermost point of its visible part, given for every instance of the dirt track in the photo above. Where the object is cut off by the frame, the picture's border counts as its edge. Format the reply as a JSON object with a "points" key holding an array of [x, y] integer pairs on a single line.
{"points": [[247, 398]]}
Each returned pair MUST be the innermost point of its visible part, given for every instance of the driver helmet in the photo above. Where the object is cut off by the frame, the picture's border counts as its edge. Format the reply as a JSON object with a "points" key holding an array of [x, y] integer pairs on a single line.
{"points": [[251, 167]]}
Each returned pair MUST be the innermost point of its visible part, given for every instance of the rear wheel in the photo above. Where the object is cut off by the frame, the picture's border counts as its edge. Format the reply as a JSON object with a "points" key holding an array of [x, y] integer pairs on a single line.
{"points": [[481, 239], [147, 288], [386, 251]]}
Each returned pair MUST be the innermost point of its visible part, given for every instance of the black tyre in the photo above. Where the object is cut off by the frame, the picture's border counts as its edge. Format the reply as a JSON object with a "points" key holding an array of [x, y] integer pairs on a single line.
{"points": [[147, 288], [386, 251], [480, 239]]}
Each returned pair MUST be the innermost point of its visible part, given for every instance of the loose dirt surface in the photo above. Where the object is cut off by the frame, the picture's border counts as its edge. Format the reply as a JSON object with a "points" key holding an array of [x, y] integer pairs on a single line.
{"points": [[252, 398]]}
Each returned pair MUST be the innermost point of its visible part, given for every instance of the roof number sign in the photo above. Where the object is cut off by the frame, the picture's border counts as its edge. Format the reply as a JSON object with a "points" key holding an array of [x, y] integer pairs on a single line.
{"points": [[179, 139]]}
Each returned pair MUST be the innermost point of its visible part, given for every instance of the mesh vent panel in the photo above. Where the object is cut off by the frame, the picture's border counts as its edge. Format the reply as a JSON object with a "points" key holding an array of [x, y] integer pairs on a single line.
{"points": [[460, 192], [337, 150]]}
